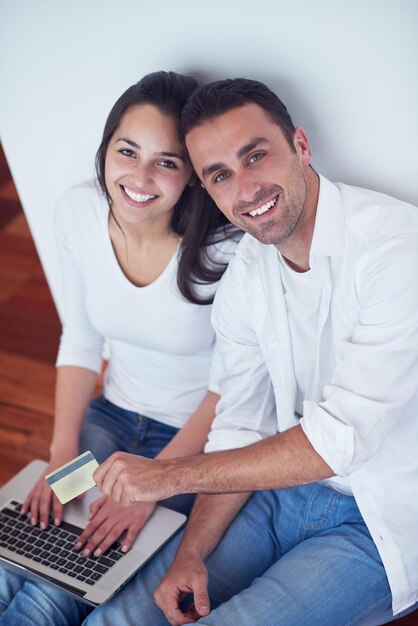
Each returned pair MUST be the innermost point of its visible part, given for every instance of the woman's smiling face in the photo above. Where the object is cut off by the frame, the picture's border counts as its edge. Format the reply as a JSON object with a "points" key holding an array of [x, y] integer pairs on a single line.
{"points": [[146, 167]]}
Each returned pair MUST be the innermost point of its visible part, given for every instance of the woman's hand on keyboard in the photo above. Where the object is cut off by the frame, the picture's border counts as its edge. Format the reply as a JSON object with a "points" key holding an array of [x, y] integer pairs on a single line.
{"points": [[108, 520], [39, 500]]}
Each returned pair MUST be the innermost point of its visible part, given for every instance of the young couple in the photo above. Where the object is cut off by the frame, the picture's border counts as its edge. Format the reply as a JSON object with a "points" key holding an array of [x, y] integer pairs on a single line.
{"points": [[316, 365]]}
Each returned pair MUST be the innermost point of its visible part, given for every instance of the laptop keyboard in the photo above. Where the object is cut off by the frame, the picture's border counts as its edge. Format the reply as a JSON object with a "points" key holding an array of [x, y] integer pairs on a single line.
{"points": [[53, 546]]}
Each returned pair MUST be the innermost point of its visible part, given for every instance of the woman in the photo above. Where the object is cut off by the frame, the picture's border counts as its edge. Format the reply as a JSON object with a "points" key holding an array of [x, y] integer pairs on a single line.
{"points": [[134, 273]]}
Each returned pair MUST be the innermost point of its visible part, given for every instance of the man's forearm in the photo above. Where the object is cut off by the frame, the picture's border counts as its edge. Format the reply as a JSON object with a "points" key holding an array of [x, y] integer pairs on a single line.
{"points": [[208, 521], [284, 460]]}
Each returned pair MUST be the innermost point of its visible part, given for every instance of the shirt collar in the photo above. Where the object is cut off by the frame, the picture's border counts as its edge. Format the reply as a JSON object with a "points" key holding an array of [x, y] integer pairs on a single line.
{"points": [[328, 236]]}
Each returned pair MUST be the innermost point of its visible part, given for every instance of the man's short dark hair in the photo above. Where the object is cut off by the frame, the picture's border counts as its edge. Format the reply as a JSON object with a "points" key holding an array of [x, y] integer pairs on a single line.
{"points": [[223, 95]]}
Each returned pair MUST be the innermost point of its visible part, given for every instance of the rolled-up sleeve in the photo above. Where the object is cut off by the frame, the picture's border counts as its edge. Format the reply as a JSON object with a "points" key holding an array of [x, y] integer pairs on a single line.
{"points": [[376, 372], [80, 344], [246, 410]]}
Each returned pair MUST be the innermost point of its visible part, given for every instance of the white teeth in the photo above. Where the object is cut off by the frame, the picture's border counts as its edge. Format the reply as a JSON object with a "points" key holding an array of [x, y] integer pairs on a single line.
{"points": [[138, 197], [264, 208]]}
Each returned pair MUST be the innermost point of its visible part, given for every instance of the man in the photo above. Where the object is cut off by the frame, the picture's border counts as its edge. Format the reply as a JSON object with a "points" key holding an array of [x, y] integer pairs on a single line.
{"points": [[317, 323]]}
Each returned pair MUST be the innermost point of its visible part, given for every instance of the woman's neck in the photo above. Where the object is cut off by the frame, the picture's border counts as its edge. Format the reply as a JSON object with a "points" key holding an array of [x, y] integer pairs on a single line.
{"points": [[152, 232], [142, 251]]}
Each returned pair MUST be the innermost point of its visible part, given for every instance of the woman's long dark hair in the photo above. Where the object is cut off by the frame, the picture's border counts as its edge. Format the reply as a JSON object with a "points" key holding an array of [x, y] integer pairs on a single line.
{"points": [[195, 217], [205, 226]]}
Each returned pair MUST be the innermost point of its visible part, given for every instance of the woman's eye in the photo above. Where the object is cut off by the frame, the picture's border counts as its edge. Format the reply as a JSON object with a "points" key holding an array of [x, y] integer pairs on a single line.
{"points": [[169, 164], [219, 178], [256, 157], [127, 152]]}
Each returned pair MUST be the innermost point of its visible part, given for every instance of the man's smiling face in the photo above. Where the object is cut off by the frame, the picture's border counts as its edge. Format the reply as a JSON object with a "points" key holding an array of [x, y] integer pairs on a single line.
{"points": [[252, 173]]}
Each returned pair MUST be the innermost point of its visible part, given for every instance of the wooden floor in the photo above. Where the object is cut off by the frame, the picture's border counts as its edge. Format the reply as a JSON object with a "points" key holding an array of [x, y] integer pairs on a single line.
{"points": [[29, 333]]}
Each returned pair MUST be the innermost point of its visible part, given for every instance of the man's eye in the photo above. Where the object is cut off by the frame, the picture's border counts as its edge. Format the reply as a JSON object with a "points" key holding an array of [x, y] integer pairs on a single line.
{"points": [[256, 157], [169, 164], [219, 178]]}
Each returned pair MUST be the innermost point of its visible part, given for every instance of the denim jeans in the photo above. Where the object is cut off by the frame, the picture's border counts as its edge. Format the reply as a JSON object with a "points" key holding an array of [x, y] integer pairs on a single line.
{"points": [[106, 429], [292, 557]]}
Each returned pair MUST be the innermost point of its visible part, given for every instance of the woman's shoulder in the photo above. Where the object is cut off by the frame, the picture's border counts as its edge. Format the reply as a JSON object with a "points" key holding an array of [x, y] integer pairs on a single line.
{"points": [[87, 191], [83, 202], [80, 216]]}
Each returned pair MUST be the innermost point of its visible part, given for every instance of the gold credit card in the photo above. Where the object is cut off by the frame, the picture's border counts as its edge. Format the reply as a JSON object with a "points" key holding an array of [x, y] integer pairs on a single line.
{"points": [[73, 478]]}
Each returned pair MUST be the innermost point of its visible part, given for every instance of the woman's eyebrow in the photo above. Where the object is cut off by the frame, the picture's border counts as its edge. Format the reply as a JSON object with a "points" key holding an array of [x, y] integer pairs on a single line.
{"points": [[175, 155], [130, 142]]}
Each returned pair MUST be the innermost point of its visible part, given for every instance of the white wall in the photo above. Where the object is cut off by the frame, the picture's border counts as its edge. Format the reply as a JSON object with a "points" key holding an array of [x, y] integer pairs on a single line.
{"points": [[347, 70]]}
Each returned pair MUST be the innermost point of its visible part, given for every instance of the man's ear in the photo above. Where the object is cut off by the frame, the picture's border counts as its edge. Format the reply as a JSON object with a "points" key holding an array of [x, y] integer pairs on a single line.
{"points": [[302, 147]]}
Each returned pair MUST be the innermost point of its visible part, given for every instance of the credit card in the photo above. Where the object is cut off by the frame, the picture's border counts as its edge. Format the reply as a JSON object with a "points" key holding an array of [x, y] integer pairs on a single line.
{"points": [[73, 478]]}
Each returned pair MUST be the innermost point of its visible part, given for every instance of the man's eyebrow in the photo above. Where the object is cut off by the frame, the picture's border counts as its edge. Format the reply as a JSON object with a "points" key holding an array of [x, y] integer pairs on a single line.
{"points": [[175, 155], [207, 171], [254, 143]]}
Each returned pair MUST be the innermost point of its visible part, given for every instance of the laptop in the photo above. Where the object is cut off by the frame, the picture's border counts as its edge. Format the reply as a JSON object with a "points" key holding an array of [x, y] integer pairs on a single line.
{"points": [[50, 555]]}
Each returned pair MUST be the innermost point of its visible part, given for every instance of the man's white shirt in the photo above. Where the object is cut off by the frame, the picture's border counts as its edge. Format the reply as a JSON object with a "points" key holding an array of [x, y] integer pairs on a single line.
{"points": [[360, 410], [303, 293]]}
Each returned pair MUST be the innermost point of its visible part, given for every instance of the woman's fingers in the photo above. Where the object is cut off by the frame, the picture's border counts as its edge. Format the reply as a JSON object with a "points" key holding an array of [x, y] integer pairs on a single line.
{"points": [[109, 522], [38, 502]]}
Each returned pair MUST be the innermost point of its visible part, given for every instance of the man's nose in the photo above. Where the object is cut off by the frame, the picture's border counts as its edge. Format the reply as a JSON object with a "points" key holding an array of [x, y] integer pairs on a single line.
{"points": [[247, 187]]}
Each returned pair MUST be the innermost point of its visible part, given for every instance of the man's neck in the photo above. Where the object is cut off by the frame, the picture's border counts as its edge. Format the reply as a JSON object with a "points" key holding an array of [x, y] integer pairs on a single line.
{"points": [[295, 250]]}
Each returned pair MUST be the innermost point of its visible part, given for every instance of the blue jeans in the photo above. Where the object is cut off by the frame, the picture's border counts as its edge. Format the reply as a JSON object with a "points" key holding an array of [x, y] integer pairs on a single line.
{"points": [[106, 429], [293, 557]]}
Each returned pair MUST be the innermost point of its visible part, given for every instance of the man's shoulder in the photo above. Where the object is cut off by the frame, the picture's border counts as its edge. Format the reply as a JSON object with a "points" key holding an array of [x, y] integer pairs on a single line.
{"points": [[249, 253], [238, 291], [244, 265], [374, 215], [241, 269], [224, 245]]}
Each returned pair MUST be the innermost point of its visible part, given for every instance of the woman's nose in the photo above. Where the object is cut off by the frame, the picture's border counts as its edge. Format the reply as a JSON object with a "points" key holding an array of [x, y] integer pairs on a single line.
{"points": [[141, 174]]}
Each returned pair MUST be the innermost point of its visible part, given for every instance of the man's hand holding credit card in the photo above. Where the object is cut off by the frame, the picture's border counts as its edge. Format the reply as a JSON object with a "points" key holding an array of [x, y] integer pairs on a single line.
{"points": [[73, 478]]}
